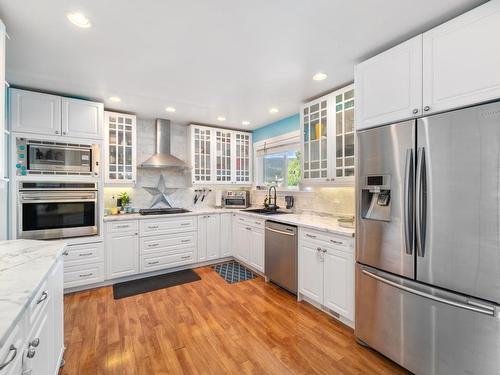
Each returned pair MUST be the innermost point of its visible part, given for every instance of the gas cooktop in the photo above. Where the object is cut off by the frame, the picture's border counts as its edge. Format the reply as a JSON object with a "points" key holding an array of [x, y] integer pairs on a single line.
{"points": [[162, 211]]}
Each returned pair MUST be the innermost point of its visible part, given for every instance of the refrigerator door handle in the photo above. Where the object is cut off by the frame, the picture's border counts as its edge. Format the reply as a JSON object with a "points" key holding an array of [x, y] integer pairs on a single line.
{"points": [[486, 310], [408, 202], [421, 203]]}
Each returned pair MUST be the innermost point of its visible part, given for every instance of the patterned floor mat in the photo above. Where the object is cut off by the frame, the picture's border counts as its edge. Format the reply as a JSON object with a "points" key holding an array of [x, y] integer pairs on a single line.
{"points": [[233, 272]]}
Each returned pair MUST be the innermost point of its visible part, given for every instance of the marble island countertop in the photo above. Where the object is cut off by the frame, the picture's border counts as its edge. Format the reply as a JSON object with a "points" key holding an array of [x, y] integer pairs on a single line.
{"points": [[24, 264], [310, 220]]}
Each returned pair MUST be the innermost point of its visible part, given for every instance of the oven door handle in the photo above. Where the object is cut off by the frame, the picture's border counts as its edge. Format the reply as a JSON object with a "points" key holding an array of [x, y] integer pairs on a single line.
{"points": [[58, 199]]}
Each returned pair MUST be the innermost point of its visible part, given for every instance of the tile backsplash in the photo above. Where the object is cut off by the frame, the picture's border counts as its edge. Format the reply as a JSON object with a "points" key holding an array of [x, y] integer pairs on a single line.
{"points": [[337, 201]]}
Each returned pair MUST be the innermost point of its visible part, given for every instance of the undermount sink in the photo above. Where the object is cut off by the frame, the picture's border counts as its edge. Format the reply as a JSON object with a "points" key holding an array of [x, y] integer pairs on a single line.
{"points": [[264, 211]]}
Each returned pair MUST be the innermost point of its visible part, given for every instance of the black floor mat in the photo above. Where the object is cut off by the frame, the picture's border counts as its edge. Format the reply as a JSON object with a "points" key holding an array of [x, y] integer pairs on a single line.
{"points": [[149, 284], [233, 272]]}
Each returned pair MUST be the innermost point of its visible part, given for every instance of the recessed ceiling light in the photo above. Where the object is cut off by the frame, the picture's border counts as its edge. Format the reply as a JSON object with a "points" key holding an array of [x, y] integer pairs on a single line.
{"points": [[115, 99], [320, 76], [79, 19], [221, 118], [274, 110], [170, 109], [245, 123]]}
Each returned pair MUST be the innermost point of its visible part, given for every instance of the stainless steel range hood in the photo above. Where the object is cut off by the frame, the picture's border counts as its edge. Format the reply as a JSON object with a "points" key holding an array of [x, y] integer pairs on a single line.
{"points": [[163, 158]]}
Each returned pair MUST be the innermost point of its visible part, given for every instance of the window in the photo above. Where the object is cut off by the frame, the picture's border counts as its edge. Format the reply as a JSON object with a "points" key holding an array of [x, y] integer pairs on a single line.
{"points": [[278, 163]]}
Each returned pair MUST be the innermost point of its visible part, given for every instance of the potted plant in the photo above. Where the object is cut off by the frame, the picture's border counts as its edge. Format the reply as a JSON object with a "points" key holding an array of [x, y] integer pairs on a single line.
{"points": [[123, 200]]}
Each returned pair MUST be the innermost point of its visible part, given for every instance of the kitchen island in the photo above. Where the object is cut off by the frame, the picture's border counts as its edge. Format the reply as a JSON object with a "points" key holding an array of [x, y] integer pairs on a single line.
{"points": [[31, 306]]}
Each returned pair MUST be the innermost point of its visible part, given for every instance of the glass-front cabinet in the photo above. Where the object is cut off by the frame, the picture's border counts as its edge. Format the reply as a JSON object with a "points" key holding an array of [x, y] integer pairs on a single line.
{"points": [[220, 156], [120, 146], [328, 138]]}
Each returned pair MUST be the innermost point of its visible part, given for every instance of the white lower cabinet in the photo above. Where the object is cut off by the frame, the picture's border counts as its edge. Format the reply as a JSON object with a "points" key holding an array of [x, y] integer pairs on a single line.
{"points": [[326, 271], [225, 235], [36, 343], [248, 241], [122, 250], [84, 264], [208, 237]]}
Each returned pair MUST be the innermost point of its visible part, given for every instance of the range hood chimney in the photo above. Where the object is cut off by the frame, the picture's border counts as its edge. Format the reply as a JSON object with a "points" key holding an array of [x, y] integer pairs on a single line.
{"points": [[163, 158]]}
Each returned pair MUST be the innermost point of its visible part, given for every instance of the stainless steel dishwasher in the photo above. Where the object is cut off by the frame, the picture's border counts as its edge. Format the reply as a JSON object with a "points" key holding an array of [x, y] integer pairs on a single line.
{"points": [[281, 255]]}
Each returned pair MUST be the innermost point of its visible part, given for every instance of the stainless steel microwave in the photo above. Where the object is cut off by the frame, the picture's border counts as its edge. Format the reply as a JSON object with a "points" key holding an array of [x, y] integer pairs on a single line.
{"points": [[236, 199], [35, 157]]}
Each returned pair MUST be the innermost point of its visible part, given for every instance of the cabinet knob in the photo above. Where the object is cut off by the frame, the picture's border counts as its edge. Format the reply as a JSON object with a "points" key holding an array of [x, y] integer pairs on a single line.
{"points": [[57, 131], [31, 353], [415, 111], [35, 342], [64, 133], [427, 108]]}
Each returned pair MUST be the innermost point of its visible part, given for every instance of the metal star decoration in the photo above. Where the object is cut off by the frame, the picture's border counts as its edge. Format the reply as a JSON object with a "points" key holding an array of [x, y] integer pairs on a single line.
{"points": [[160, 193]]}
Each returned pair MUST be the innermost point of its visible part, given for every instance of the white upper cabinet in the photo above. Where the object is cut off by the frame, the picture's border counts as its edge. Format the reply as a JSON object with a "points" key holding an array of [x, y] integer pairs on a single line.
{"points": [[120, 148], [220, 156], [35, 112], [389, 86], [461, 60], [328, 127], [82, 118], [40, 113]]}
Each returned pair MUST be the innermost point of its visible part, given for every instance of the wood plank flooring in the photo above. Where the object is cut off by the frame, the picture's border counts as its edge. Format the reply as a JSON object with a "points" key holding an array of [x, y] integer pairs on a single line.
{"points": [[210, 327]]}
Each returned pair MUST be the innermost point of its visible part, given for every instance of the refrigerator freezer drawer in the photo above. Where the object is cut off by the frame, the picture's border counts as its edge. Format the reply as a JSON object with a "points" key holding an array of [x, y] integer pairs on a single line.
{"points": [[426, 330]]}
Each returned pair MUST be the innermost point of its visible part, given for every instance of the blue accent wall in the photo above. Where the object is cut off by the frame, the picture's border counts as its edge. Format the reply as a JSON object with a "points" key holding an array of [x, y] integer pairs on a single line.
{"points": [[277, 128]]}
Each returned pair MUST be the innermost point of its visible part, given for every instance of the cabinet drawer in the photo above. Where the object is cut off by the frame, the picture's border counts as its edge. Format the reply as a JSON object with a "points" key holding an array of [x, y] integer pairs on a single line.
{"points": [[159, 261], [168, 243], [123, 226], [168, 225], [251, 221], [11, 351], [327, 240], [84, 254], [83, 274], [39, 303]]}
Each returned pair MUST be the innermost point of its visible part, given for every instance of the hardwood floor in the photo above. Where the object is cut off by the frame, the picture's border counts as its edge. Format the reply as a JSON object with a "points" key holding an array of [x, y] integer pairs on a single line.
{"points": [[210, 327]]}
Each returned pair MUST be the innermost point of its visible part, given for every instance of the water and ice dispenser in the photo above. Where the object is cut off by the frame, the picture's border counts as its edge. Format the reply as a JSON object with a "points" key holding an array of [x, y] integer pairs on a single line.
{"points": [[376, 197]]}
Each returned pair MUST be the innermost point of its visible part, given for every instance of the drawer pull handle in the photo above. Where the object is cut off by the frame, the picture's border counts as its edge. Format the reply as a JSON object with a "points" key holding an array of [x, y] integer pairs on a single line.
{"points": [[86, 274], [43, 297], [185, 241], [153, 227], [12, 353], [35, 342], [31, 353], [85, 254], [186, 257], [310, 235], [153, 244], [185, 224], [258, 222], [65, 252], [122, 226], [155, 262], [241, 219], [337, 242], [248, 228]]}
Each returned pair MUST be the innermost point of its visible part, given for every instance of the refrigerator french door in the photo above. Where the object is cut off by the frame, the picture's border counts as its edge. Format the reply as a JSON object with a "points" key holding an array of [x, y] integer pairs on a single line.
{"points": [[428, 242]]}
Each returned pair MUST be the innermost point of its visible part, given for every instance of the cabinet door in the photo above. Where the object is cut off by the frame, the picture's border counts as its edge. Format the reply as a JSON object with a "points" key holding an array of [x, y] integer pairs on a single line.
{"points": [[223, 156], [242, 245], [120, 148], [242, 158], [40, 363], [461, 60], [225, 235], [256, 241], [315, 124], [56, 287], [342, 162], [34, 112], [82, 118], [339, 282], [202, 238], [213, 236], [311, 272], [201, 154], [389, 86], [122, 254]]}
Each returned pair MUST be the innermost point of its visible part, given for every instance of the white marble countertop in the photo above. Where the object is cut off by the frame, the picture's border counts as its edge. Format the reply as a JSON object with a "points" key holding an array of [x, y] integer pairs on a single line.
{"points": [[24, 264], [325, 223]]}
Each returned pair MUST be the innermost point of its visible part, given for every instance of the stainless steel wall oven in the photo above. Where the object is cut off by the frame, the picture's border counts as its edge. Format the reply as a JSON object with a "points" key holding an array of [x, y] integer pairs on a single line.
{"points": [[49, 210]]}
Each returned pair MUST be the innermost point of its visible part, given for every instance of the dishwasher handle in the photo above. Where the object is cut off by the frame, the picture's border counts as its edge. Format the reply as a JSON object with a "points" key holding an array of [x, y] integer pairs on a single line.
{"points": [[280, 232]]}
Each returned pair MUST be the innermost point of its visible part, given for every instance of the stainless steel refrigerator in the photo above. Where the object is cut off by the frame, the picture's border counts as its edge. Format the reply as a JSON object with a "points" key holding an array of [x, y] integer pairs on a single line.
{"points": [[428, 241]]}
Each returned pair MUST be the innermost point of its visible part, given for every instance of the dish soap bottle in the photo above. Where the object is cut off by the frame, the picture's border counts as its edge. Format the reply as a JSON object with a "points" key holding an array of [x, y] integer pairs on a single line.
{"points": [[266, 202]]}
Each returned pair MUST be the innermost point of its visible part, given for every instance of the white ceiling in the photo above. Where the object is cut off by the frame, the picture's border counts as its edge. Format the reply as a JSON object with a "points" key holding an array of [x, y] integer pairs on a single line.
{"points": [[206, 58]]}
